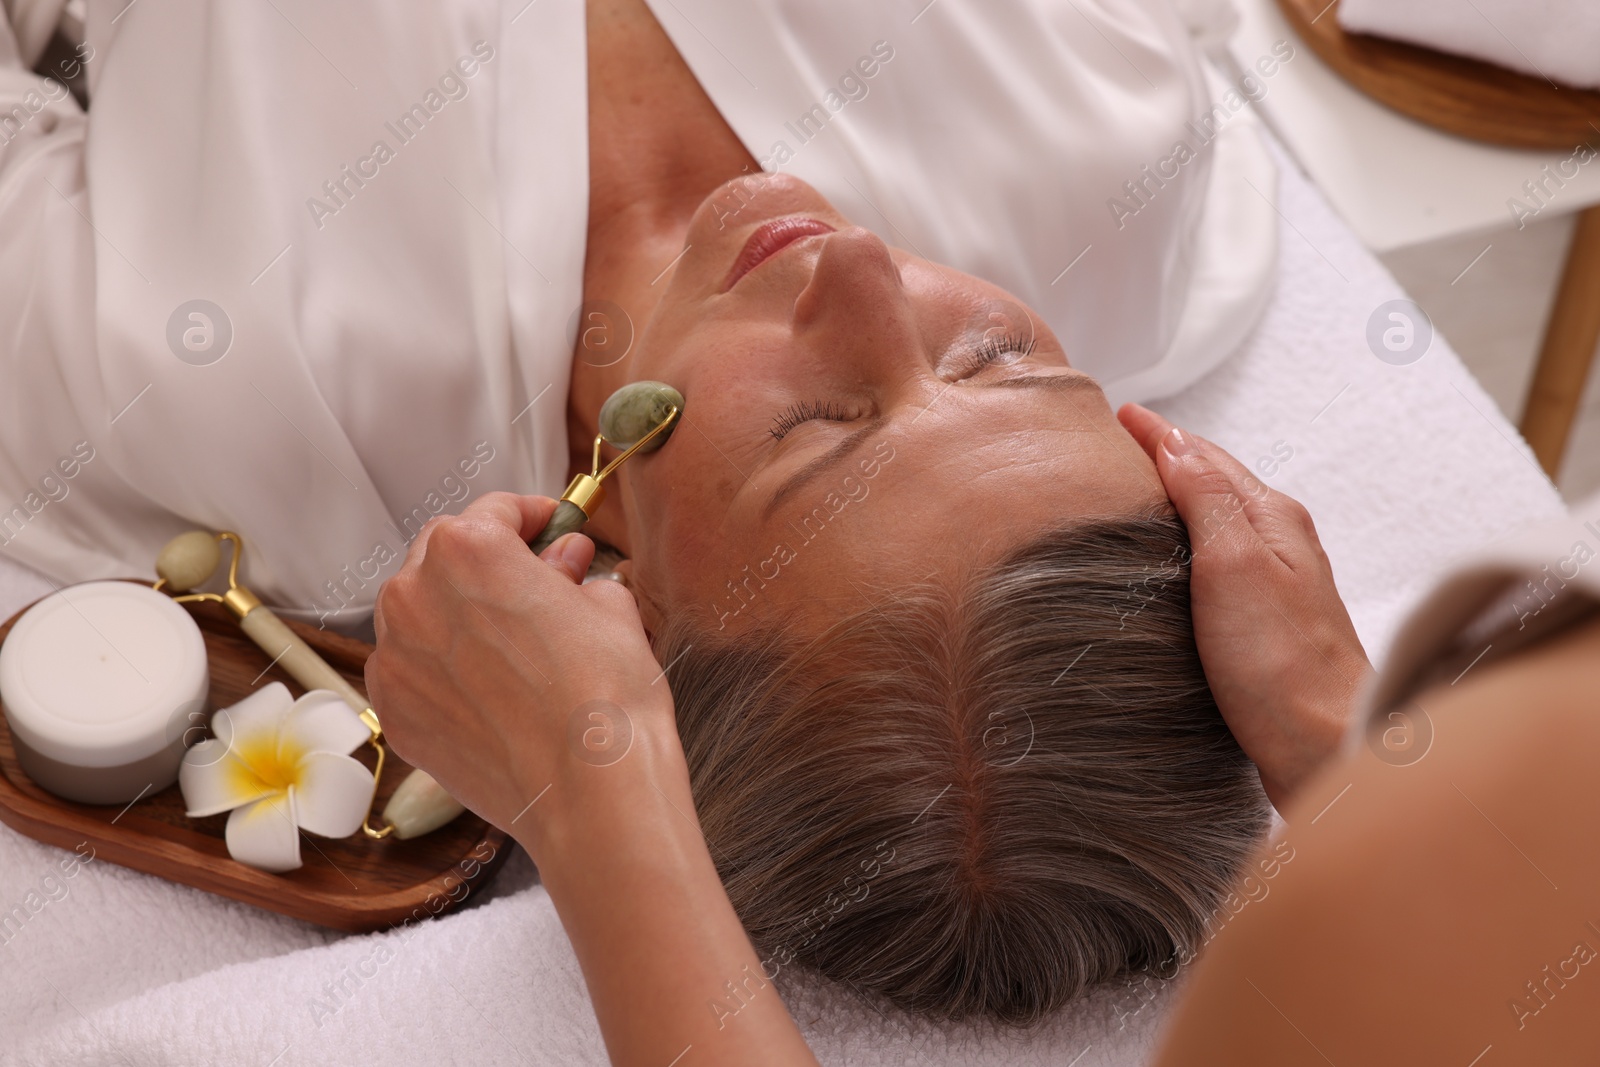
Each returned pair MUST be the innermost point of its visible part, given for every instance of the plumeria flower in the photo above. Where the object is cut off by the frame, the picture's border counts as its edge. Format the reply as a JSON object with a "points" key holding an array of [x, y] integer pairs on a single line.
{"points": [[280, 765]]}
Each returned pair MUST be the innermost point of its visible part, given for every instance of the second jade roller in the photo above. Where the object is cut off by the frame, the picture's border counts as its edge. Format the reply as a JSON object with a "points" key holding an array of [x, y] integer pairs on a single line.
{"points": [[637, 418]]}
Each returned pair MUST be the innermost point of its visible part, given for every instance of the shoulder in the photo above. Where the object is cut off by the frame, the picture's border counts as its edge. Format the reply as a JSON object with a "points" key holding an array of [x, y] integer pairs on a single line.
{"points": [[1495, 605]]}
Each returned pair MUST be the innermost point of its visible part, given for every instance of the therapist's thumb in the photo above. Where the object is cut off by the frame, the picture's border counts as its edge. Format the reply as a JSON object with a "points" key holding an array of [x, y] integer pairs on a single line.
{"points": [[571, 554]]}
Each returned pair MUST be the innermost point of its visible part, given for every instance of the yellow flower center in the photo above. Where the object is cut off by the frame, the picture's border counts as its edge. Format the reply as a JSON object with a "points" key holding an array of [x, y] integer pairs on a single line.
{"points": [[265, 761]]}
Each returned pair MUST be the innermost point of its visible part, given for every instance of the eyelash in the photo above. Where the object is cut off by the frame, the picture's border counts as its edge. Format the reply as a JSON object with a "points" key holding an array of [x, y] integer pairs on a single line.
{"points": [[989, 352], [993, 348], [805, 412]]}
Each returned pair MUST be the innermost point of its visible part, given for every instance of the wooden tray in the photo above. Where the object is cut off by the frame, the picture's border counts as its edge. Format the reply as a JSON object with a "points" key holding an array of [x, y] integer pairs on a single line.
{"points": [[352, 883], [1462, 96]]}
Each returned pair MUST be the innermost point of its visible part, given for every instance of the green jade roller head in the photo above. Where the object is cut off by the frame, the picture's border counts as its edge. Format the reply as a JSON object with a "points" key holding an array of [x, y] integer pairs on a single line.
{"points": [[639, 417]]}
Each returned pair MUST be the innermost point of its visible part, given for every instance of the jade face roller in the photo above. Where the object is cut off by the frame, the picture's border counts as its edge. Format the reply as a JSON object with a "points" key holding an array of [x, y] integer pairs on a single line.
{"points": [[189, 559], [637, 418]]}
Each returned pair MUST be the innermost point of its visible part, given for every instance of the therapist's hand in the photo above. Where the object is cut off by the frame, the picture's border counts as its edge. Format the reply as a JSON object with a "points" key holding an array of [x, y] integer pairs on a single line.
{"points": [[1276, 642], [486, 652], [489, 667]]}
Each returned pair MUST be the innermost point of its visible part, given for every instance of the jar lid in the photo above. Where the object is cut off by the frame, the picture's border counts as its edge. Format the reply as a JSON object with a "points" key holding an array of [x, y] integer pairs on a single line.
{"points": [[103, 673]]}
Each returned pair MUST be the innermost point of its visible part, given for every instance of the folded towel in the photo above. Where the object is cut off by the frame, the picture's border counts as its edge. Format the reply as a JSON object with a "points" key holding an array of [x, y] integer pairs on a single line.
{"points": [[1556, 40]]}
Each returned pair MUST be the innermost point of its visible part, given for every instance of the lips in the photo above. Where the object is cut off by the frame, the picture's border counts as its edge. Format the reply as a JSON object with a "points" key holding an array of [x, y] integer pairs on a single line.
{"points": [[769, 239]]}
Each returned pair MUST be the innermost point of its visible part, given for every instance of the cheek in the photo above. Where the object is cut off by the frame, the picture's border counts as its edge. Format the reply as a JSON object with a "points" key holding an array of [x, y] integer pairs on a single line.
{"points": [[681, 541], [681, 570]]}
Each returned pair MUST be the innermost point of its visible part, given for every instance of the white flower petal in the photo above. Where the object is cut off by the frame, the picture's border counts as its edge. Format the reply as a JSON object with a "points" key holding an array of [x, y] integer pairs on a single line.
{"points": [[321, 721], [264, 834], [333, 794], [259, 713], [212, 780]]}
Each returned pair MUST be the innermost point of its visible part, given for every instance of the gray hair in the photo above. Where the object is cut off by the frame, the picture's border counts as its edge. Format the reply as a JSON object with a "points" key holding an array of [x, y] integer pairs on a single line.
{"points": [[978, 801]]}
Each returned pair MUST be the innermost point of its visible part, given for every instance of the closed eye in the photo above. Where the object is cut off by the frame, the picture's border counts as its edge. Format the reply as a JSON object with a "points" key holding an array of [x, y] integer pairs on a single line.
{"points": [[806, 412], [1001, 348], [993, 349]]}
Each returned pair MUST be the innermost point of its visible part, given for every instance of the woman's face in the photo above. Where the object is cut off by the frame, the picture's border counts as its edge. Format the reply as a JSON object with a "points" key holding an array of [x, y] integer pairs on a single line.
{"points": [[856, 419]]}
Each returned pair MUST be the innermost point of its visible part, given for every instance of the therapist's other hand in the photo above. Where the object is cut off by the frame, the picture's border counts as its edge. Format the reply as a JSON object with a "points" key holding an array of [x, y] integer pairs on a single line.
{"points": [[486, 652], [1276, 642]]}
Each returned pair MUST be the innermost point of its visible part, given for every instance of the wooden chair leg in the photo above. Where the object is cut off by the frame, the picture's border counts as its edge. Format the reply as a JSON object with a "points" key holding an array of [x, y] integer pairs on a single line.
{"points": [[1569, 347]]}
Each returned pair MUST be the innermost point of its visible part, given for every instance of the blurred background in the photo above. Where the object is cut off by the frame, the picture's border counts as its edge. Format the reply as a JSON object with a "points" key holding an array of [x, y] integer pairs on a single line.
{"points": [[1459, 141]]}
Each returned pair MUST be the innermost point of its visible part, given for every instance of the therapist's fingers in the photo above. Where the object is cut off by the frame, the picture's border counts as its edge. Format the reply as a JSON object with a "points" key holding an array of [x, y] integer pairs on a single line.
{"points": [[570, 554], [1206, 484], [525, 514], [1145, 426], [1212, 490], [1159, 436]]}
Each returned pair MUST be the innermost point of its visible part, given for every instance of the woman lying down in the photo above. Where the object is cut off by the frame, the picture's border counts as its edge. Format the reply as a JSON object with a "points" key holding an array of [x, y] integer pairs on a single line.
{"points": [[907, 658], [928, 684]]}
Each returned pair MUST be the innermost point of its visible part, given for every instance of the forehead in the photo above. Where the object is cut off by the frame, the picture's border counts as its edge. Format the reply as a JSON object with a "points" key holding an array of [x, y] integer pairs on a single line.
{"points": [[935, 499]]}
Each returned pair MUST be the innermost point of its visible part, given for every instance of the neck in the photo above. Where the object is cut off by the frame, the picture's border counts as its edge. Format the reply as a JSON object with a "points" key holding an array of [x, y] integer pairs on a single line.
{"points": [[625, 256], [657, 148]]}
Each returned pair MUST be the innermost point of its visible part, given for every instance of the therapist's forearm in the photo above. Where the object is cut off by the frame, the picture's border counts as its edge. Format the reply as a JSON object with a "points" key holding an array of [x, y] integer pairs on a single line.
{"points": [[621, 853]]}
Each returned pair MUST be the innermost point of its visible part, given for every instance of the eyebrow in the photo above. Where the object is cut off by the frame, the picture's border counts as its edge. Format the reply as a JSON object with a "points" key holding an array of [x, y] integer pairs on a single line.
{"points": [[839, 452], [1046, 381]]}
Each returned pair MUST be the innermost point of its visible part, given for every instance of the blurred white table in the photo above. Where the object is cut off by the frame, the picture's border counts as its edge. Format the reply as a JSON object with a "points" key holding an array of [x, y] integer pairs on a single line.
{"points": [[1398, 182]]}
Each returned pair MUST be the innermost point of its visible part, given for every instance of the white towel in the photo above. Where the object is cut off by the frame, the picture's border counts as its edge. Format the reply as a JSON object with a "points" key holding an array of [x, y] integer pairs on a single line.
{"points": [[1402, 467], [1554, 40]]}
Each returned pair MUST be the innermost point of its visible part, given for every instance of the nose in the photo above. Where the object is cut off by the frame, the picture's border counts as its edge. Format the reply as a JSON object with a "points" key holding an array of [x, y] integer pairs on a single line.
{"points": [[855, 272], [855, 314]]}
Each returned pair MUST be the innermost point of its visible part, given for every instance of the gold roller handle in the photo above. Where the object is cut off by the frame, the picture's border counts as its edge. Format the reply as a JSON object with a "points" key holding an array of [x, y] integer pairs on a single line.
{"points": [[290, 651]]}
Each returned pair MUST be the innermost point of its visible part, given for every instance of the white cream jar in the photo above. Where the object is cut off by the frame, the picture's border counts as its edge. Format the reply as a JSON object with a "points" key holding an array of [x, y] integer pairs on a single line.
{"points": [[104, 686]]}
